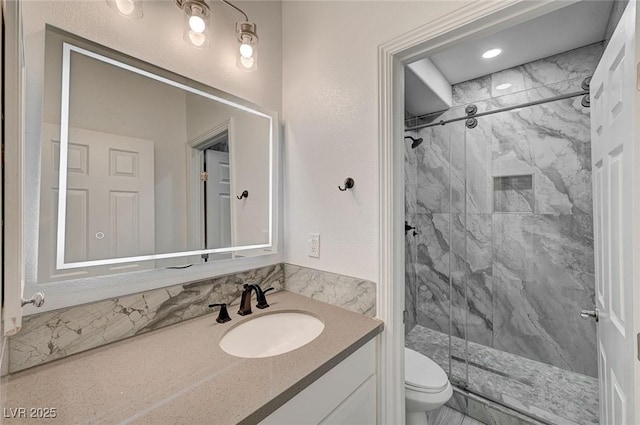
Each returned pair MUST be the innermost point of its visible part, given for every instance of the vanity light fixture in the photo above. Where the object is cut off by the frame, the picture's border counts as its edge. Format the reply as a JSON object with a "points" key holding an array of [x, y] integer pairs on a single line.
{"points": [[489, 54], [248, 39], [131, 9], [196, 25], [197, 16], [503, 86], [197, 12]]}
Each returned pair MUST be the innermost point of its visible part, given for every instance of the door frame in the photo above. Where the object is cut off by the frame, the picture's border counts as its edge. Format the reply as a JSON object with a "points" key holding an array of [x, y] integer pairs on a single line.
{"points": [[469, 21], [12, 185], [195, 154]]}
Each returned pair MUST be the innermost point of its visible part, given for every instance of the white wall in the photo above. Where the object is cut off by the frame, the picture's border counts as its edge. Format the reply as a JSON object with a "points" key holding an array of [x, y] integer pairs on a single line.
{"points": [[330, 111], [426, 90]]}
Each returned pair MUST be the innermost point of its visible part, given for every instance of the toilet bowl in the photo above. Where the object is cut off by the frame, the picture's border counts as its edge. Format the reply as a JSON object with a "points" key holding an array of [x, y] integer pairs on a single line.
{"points": [[426, 387]]}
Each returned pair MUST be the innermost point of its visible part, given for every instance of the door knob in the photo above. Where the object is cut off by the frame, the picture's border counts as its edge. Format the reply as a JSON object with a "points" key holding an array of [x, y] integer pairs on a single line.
{"points": [[585, 314]]}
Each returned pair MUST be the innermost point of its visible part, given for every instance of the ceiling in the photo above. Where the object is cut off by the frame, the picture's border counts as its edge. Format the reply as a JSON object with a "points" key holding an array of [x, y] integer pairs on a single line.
{"points": [[570, 27]]}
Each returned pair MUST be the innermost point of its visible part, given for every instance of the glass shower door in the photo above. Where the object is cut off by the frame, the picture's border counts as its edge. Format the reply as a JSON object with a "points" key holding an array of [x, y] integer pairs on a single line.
{"points": [[528, 259], [435, 253], [458, 267]]}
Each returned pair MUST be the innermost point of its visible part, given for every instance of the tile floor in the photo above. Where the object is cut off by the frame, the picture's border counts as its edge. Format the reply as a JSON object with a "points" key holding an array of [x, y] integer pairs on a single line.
{"points": [[447, 416]]}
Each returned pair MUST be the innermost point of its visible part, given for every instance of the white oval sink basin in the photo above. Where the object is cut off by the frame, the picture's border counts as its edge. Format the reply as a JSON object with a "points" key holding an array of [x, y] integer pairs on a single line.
{"points": [[271, 334]]}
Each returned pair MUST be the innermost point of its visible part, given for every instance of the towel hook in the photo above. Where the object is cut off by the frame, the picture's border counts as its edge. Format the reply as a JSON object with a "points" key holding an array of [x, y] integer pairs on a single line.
{"points": [[37, 300], [348, 184], [245, 194]]}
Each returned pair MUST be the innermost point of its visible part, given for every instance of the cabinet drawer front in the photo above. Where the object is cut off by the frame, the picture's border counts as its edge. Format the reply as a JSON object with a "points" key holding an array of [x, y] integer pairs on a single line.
{"points": [[321, 398], [358, 409]]}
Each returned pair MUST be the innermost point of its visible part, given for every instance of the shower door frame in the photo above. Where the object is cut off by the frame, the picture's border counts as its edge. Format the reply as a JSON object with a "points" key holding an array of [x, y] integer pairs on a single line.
{"points": [[470, 21]]}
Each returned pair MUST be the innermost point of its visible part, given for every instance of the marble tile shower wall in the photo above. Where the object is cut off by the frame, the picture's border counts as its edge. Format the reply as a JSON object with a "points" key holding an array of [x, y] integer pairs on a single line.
{"points": [[504, 253], [52, 335], [410, 187]]}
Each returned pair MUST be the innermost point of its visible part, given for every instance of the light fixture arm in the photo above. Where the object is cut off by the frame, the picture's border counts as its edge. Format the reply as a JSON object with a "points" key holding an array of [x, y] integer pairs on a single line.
{"points": [[246, 18]]}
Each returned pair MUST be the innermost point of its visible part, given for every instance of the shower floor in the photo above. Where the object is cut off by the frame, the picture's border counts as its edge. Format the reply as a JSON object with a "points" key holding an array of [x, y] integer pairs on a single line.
{"points": [[546, 392]]}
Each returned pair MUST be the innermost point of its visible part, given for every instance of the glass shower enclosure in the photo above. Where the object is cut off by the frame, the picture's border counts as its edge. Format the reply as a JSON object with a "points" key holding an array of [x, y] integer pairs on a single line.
{"points": [[500, 262]]}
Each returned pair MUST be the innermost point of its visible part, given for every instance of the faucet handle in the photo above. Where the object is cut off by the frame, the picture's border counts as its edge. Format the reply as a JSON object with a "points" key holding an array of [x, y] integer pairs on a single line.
{"points": [[223, 316], [261, 298], [245, 300]]}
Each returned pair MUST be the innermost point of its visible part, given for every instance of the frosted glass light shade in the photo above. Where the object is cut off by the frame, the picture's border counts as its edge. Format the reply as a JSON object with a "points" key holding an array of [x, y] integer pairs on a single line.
{"points": [[248, 63], [131, 9], [197, 28], [248, 38]]}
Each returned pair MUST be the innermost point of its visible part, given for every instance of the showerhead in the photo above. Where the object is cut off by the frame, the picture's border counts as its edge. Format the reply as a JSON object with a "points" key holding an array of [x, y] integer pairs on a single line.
{"points": [[416, 142]]}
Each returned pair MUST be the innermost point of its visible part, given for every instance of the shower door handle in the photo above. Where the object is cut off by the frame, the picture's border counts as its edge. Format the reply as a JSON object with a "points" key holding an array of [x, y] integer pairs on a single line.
{"points": [[585, 314]]}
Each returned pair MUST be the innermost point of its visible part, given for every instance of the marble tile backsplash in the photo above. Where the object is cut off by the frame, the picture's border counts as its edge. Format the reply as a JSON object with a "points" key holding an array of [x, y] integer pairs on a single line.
{"points": [[56, 334], [350, 293]]}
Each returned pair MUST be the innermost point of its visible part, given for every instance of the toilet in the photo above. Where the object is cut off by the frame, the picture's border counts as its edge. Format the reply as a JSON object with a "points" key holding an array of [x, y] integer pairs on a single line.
{"points": [[426, 387]]}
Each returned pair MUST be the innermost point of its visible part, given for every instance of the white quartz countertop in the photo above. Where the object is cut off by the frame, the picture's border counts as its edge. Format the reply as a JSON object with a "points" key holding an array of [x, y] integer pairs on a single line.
{"points": [[179, 374]]}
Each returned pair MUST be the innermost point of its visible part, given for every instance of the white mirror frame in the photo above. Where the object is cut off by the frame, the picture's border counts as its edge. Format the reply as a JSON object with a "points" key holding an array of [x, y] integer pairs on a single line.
{"points": [[64, 142]]}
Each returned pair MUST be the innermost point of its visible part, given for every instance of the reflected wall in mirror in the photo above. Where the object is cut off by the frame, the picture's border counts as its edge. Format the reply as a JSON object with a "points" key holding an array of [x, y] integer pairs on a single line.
{"points": [[142, 168]]}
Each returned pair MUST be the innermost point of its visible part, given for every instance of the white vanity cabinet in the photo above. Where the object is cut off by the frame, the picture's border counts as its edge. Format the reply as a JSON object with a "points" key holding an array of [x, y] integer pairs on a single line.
{"points": [[346, 395]]}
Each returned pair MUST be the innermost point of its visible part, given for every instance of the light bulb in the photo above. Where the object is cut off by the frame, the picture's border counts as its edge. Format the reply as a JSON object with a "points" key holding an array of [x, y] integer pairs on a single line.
{"points": [[197, 24], [126, 7], [246, 50]]}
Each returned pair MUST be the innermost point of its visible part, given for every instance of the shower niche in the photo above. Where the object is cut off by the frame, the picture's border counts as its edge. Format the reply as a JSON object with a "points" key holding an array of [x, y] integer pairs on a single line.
{"points": [[513, 194]]}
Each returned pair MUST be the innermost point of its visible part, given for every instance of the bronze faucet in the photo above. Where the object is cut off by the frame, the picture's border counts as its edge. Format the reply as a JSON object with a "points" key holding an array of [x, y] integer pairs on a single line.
{"points": [[245, 300]]}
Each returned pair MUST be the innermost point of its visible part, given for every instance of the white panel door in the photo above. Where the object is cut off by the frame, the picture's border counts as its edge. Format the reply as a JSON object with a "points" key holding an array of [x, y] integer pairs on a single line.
{"points": [[616, 169], [110, 202]]}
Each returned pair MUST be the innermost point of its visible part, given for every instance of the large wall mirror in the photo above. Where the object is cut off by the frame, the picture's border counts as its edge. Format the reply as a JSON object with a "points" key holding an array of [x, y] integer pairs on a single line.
{"points": [[144, 169]]}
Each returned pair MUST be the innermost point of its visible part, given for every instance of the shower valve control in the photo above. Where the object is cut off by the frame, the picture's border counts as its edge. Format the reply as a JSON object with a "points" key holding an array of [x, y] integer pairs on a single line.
{"points": [[585, 314]]}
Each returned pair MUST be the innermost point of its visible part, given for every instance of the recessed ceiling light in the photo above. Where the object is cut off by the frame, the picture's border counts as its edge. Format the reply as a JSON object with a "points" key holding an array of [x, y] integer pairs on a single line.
{"points": [[503, 86], [491, 53]]}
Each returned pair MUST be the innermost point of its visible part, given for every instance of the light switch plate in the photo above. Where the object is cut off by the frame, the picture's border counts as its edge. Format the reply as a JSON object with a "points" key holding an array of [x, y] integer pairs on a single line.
{"points": [[314, 245]]}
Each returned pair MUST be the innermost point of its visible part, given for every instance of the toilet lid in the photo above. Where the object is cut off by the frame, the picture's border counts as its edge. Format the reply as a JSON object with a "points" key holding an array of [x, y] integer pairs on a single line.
{"points": [[423, 374]]}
